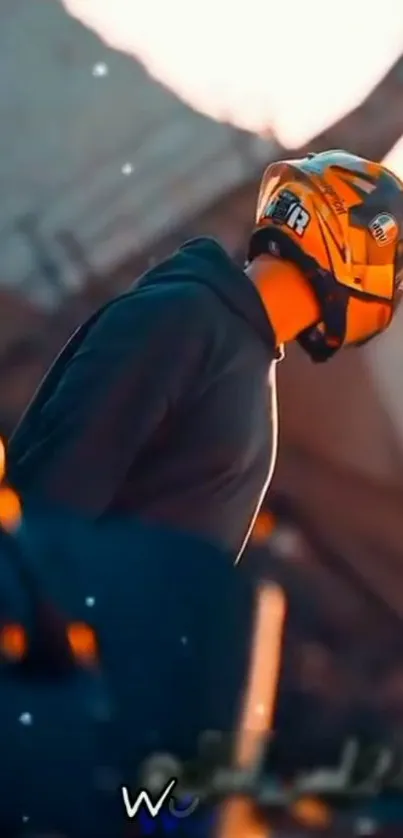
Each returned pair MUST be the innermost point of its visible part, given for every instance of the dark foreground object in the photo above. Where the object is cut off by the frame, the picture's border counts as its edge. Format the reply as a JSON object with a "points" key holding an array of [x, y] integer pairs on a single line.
{"points": [[173, 622]]}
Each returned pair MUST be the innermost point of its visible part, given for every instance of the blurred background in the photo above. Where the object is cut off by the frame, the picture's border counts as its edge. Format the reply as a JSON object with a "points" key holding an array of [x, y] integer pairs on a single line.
{"points": [[127, 127]]}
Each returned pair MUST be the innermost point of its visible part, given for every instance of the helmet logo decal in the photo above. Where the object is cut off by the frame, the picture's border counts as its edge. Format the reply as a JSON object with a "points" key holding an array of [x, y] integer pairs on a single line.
{"points": [[286, 208], [384, 229], [337, 203]]}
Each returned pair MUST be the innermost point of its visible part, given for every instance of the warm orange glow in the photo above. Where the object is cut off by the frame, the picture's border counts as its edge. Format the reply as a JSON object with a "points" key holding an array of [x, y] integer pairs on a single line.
{"points": [[264, 672], [312, 813], [264, 526], [239, 818], [13, 641], [10, 509], [82, 642], [2, 460]]}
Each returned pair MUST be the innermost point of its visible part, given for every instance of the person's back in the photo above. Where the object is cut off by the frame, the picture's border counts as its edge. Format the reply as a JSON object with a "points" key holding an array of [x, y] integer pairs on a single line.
{"points": [[160, 406]]}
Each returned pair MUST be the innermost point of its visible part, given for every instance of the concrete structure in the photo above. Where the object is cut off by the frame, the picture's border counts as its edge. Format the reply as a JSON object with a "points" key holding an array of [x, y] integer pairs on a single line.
{"points": [[97, 160]]}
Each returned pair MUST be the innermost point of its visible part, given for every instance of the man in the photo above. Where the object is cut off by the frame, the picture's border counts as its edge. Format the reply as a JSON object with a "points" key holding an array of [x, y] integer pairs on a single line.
{"points": [[162, 404], [162, 410]]}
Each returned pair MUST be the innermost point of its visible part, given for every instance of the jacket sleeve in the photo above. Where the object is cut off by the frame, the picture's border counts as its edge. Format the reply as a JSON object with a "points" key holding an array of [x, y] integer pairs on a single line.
{"points": [[132, 367]]}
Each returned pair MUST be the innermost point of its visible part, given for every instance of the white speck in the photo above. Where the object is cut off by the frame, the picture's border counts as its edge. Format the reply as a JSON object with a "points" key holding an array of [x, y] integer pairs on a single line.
{"points": [[101, 69], [184, 641], [365, 826], [259, 710], [127, 169], [286, 541], [25, 818], [90, 601], [25, 719], [274, 248]]}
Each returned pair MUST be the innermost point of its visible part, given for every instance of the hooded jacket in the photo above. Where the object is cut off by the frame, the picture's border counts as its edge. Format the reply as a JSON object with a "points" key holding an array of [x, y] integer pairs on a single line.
{"points": [[160, 405]]}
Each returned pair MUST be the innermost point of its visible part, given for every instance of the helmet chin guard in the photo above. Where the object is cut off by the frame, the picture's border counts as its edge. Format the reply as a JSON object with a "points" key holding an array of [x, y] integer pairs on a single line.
{"points": [[322, 340]]}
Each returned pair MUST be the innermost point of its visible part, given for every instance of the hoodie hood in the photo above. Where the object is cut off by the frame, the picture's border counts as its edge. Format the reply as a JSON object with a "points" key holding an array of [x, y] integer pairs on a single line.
{"points": [[204, 260]]}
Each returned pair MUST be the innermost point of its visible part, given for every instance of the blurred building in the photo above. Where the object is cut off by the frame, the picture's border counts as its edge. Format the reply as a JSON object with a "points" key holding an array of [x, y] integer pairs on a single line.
{"points": [[103, 171]]}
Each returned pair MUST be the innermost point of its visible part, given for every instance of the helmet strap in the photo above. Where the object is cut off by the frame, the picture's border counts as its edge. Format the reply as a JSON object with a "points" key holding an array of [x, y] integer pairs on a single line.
{"points": [[332, 297]]}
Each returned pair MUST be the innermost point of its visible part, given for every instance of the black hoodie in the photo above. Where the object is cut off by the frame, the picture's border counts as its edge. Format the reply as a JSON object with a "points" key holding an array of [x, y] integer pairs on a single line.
{"points": [[160, 404]]}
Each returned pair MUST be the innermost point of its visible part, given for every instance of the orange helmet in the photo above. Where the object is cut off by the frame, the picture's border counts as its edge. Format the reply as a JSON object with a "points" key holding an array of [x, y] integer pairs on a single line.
{"points": [[339, 217]]}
